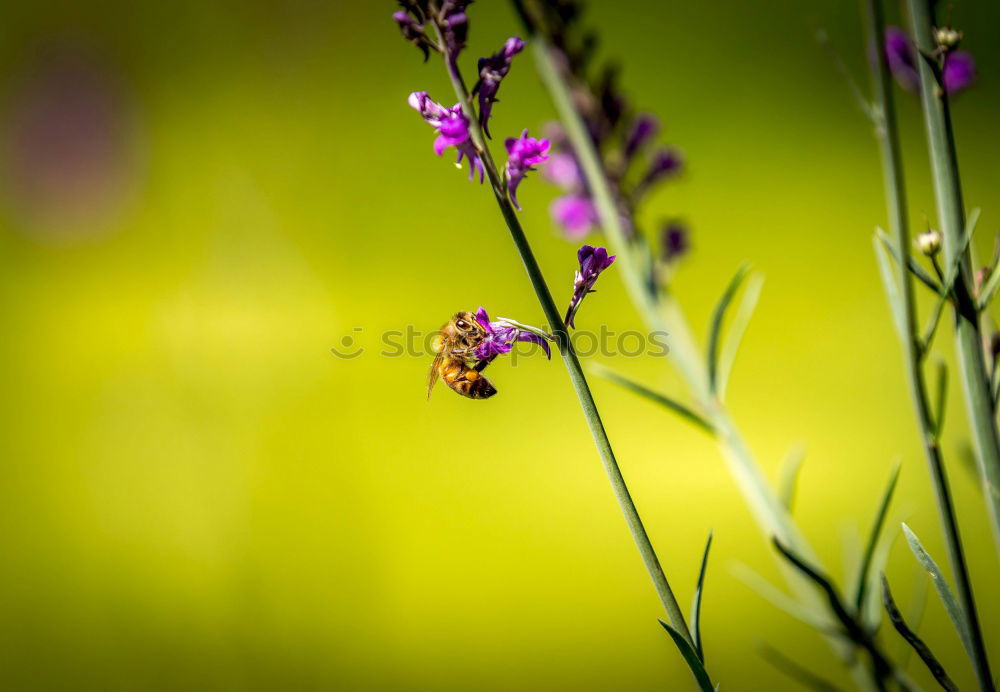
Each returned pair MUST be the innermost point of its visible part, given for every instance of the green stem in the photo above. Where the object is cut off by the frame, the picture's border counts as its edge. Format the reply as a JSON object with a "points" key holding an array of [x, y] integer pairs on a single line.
{"points": [[576, 376], [978, 399], [663, 313], [951, 217]]}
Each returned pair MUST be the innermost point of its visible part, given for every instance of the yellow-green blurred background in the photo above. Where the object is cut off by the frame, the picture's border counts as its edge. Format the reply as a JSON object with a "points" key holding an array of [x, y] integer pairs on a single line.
{"points": [[199, 200]]}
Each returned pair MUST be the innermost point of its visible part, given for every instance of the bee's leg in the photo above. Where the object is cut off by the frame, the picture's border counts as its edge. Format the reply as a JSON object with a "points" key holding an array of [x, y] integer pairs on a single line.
{"points": [[481, 365]]}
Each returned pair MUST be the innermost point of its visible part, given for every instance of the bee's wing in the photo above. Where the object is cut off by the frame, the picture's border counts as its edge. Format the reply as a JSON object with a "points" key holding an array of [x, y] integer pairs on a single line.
{"points": [[432, 376]]}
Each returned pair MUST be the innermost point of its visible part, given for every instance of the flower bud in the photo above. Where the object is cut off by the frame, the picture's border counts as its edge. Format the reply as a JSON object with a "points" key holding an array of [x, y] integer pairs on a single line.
{"points": [[947, 37], [929, 242]]}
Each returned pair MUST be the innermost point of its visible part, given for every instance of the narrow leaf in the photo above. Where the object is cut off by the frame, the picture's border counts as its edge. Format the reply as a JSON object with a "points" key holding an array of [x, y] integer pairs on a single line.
{"points": [[955, 612], [881, 666], [914, 615], [989, 288], [871, 610], [696, 606], [918, 645], [896, 306], [995, 384], [970, 229], [741, 320], [788, 475], [780, 600], [947, 288], [919, 272], [883, 509], [715, 331], [795, 670], [694, 663], [662, 399]]}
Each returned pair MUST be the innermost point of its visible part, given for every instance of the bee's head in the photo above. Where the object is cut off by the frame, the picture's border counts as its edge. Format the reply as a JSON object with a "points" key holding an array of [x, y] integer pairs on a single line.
{"points": [[465, 323]]}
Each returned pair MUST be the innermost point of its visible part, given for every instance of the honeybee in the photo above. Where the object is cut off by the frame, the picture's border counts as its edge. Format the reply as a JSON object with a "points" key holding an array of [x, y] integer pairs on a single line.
{"points": [[456, 361]]}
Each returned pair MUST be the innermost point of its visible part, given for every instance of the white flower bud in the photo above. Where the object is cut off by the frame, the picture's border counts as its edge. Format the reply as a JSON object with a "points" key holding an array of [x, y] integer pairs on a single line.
{"points": [[929, 242], [947, 37]]}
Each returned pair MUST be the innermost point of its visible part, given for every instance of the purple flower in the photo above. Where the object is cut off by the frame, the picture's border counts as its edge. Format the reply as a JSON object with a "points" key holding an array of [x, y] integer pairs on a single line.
{"points": [[564, 171], [452, 127], [575, 214], [675, 241], [593, 261], [958, 73], [501, 335], [523, 153], [899, 55], [454, 26], [492, 70], [413, 31], [665, 163], [645, 127]]}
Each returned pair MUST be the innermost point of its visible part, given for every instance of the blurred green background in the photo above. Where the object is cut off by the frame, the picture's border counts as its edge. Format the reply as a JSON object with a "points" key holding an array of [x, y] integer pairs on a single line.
{"points": [[199, 200]]}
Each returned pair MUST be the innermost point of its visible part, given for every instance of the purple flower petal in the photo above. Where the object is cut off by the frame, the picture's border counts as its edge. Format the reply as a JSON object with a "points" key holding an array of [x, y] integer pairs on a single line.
{"points": [[492, 70], [575, 214], [959, 71], [453, 130], [500, 337], [592, 261], [523, 154], [564, 171], [644, 128]]}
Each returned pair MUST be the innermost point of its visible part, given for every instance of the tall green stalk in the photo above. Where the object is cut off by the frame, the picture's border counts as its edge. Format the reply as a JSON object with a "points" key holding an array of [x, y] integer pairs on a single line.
{"points": [[951, 217], [661, 312], [887, 134], [565, 346]]}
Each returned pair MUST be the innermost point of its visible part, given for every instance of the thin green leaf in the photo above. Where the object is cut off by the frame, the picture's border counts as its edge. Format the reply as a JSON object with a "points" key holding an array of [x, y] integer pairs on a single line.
{"points": [[871, 110], [946, 289], [866, 561], [691, 658], [989, 288], [914, 615], [896, 306], [970, 229], [780, 600], [955, 612], [738, 327], [788, 475], [922, 275], [918, 645], [661, 399], [882, 668], [696, 605], [941, 397], [932, 324], [871, 610], [715, 331], [995, 384], [795, 670]]}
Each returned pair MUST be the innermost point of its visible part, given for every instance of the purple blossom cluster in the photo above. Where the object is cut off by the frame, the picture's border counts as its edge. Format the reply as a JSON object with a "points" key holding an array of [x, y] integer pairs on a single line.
{"points": [[448, 18], [442, 26], [448, 22]]}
